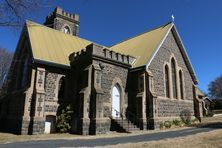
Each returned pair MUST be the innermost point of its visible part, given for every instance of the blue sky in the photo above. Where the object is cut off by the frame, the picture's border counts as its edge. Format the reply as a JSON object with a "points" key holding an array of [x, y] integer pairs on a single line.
{"points": [[107, 22]]}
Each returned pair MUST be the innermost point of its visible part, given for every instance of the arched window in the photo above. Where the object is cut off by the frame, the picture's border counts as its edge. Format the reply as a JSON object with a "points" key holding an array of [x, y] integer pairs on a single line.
{"points": [[61, 90], [167, 82], [25, 73], [174, 78], [66, 30], [181, 85], [116, 101]]}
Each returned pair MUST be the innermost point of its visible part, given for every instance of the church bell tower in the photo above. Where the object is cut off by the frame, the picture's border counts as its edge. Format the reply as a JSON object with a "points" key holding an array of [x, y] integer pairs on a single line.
{"points": [[63, 21]]}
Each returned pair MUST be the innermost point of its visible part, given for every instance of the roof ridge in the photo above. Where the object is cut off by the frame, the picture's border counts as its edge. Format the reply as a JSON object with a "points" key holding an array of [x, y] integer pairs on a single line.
{"points": [[29, 21], [142, 33]]}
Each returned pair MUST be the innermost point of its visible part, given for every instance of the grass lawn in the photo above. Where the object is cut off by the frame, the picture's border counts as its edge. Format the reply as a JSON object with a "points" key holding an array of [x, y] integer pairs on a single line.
{"points": [[211, 139]]}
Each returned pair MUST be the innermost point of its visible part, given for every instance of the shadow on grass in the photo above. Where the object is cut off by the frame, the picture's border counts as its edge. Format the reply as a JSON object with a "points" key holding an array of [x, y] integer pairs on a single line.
{"points": [[214, 125]]}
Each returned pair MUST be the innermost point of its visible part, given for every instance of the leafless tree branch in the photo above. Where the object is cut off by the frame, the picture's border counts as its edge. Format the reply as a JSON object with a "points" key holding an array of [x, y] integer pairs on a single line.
{"points": [[14, 12], [5, 62], [215, 88]]}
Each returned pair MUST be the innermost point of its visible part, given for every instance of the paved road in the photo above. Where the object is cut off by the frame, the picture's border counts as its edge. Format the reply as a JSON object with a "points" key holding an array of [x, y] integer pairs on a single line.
{"points": [[106, 141]]}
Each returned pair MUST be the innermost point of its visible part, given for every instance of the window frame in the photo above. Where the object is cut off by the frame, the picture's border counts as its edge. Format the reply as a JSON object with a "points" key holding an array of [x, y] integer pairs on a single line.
{"points": [[167, 81], [181, 84], [174, 79]]}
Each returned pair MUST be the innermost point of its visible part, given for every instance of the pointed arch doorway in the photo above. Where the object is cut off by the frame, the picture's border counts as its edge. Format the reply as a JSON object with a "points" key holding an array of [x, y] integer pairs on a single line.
{"points": [[116, 102]]}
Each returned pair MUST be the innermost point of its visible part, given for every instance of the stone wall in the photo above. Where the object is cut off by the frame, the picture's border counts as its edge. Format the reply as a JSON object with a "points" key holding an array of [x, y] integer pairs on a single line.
{"points": [[51, 93], [112, 75], [169, 107], [168, 49], [172, 108], [60, 23], [103, 69], [45, 101], [16, 106], [38, 127], [12, 119], [50, 86], [103, 126], [18, 90], [42, 102]]}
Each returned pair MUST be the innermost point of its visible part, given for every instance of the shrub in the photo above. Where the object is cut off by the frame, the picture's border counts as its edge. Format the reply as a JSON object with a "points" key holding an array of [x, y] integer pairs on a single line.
{"points": [[195, 120], [64, 119], [161, 125], [168, 124], [210, 114], [185, 116], [176, 122]]}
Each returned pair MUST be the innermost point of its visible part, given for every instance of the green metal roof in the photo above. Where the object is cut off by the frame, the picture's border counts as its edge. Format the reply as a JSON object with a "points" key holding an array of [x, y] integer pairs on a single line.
{"points": [[144, 45], [53, 46], [50, 45]]}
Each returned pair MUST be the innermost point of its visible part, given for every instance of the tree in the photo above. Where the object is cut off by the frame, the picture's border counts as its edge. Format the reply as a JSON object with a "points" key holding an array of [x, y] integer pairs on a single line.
{"points": [[5, 62], [64, 118], [215, 88], [13, 12]]}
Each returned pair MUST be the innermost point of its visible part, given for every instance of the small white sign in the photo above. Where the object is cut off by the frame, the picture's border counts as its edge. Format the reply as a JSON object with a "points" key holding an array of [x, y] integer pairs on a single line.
{"points": [[47, 127]]}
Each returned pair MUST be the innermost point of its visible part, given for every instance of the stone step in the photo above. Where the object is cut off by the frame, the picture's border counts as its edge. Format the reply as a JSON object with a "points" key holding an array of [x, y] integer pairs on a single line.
{"points": [[124, 120], [126, 125]]}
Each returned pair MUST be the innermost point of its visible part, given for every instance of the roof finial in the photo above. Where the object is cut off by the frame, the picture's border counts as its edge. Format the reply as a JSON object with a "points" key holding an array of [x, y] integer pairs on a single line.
{"points": [[172, 17]]}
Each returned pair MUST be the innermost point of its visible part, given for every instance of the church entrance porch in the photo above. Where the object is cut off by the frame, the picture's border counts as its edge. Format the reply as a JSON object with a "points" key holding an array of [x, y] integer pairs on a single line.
{"points": [[120, 121]]}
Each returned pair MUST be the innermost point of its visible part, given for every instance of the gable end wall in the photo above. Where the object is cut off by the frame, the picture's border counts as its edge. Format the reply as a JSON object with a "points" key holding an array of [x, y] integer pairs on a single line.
{"points": [[169, 107]]}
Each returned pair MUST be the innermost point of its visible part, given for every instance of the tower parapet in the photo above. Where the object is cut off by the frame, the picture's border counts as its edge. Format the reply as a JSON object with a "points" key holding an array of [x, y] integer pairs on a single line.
{"points": [[63, 21], [99, 52]]}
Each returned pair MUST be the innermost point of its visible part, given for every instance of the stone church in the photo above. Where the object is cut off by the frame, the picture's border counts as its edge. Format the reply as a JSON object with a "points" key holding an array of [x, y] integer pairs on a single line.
{"points": [[133, 85]]}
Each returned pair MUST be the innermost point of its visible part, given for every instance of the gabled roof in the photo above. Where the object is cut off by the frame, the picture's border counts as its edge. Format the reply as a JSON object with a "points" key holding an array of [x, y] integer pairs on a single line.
{"points": [[144, 45], [52, 46]]}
